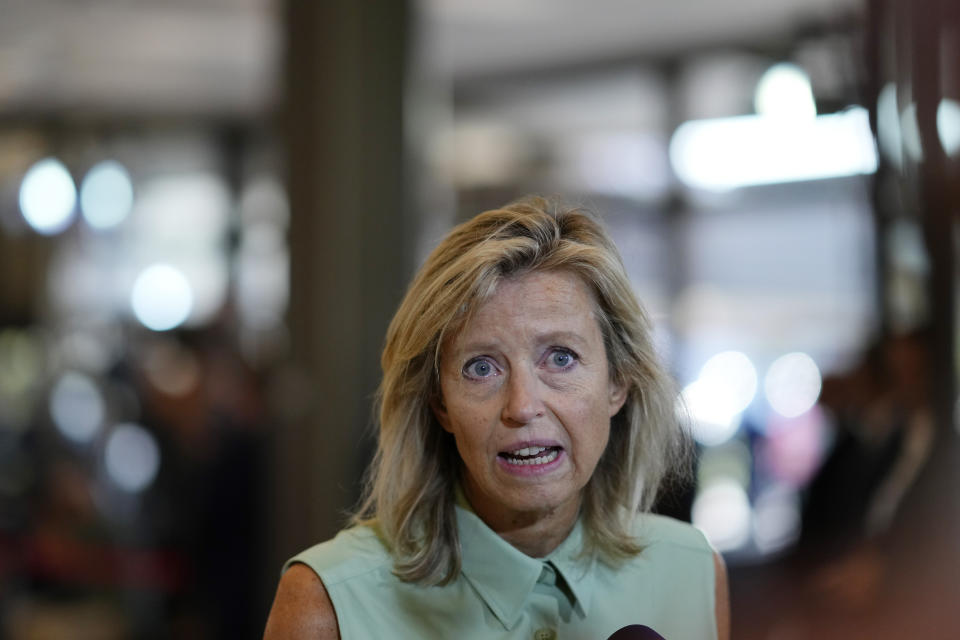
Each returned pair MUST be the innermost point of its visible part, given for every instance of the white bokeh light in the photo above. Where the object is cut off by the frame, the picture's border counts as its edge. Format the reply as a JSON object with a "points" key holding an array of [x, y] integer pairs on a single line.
{"points": [[784, 92], [48, 197], [722, 511], [733, 371], [910, 133], [183, 220], [742, 151], [76, 407], [948, 126], [888, 126], [132, 457], [162, 297], [710, 421], [106, 195], [792, 384], [167, 205], [726, 386]]}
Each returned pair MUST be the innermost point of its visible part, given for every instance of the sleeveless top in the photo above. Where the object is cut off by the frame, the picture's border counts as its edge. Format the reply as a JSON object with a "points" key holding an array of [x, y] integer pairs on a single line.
{"points": [[503, 593]]}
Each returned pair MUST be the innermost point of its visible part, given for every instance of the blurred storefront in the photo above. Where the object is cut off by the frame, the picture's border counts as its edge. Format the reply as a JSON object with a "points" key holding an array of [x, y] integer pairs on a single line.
{"points": [[209, 211]]}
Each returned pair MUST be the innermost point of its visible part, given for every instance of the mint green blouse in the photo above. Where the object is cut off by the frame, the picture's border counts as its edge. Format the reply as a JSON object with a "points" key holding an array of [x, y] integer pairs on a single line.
{"points": [[504, 593]]}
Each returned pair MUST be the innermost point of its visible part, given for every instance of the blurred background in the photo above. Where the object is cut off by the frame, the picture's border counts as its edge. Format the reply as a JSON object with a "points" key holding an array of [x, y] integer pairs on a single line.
{"points": [[210, 209]]}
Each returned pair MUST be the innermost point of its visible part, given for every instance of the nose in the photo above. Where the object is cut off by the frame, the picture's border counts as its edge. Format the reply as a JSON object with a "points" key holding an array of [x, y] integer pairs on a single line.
{"points": [[522, 403]]}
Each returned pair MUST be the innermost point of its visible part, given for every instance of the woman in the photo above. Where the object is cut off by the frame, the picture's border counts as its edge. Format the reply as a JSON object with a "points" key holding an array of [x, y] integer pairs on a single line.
{"points": [[525, 426]]}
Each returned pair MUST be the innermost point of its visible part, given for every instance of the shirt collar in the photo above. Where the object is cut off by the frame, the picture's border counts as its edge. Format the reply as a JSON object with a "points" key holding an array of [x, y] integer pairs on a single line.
{"points": [[576, 569], [504, 576]]}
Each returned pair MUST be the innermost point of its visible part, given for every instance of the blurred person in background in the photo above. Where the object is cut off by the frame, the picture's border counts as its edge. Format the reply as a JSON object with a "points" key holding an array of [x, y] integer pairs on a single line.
{"points": [[525, 427], [884, 431]]}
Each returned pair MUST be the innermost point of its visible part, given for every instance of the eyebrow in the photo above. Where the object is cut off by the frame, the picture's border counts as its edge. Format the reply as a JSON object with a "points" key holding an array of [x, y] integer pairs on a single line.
{"points": [[560, 336], [548, 337]]}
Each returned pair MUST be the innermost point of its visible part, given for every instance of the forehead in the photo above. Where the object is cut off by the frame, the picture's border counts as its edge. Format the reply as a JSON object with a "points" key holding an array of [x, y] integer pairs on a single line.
{"points": [[537, 301], [542, 289]]}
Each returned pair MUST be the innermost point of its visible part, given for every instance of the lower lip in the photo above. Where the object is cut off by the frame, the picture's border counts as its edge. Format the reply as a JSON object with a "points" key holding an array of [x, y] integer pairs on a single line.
{"points": [[532, 469]]}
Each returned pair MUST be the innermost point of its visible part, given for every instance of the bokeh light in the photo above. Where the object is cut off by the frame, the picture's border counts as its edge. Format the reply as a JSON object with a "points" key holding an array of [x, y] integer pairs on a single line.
{"points": [[20, 362], [793, 448], [106, 195], [722, 511], [132, 457], [168, 205], [792, 384], [726, 386], [910, 133], [208, 277], [171, 368], [784, 92], [76, 406], [261, 267], [948, 126], [48, 197], [165, 207], [264, 199], [162, 297], [734, 371], [776, 518], [732, 460], [888, 126], [91, 350], [729, 153]]}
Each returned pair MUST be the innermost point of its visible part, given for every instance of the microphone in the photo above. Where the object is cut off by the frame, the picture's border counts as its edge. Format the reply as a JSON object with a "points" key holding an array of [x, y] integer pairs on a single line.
{"points": [[635, 632]]}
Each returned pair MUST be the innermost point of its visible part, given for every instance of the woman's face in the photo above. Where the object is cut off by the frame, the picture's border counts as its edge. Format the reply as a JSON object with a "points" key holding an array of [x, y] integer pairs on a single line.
{"points": [[526, 393]]}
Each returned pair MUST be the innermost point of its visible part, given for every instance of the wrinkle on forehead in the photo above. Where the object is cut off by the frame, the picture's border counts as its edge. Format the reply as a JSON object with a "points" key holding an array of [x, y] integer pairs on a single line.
{"points": [[513, 300]]}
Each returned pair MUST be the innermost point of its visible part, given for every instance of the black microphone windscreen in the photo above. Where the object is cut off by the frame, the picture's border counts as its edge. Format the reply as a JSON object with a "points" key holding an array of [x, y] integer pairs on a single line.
{"points": [[635, 632]]}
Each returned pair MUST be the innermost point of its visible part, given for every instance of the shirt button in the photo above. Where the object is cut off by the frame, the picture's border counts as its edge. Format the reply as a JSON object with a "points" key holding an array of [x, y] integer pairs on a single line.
{"points": [[545, 634]]}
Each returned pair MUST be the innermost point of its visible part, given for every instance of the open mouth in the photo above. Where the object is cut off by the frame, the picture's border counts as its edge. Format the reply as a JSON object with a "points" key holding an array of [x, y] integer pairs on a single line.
{"points": [[530, 455]]}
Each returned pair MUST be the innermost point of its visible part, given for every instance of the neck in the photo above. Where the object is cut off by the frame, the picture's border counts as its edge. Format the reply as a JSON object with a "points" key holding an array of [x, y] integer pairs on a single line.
{"points": [[535, 533]]}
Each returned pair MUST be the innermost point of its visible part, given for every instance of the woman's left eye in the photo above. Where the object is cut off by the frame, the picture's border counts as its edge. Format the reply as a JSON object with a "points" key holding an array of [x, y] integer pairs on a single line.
{"points": [[561, 358]]}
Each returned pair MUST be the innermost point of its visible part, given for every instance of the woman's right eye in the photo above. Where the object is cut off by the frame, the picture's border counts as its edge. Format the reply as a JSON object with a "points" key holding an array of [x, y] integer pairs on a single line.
{"points": [[479, 369]]}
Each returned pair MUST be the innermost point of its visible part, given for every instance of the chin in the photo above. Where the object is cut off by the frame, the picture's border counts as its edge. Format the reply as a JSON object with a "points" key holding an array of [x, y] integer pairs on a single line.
{"points": [[540, 499]]}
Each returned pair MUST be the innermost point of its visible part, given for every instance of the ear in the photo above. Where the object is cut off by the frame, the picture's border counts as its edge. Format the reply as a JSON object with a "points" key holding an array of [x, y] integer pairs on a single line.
{"points": [[618, 395], [440, 411]]}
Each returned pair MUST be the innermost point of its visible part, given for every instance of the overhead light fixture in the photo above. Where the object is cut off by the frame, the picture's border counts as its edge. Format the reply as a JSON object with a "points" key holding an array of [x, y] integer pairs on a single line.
{"points": [[729, 153]]}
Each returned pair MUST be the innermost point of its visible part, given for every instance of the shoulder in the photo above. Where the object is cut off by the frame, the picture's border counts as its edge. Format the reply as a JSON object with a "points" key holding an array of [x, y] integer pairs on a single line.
{"points": [[301, 608], [304, 606], [686, 548], [352, 553], [676, 551]]}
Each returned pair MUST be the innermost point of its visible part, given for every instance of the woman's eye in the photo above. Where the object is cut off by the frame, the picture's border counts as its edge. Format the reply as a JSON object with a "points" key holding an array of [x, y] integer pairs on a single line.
{"points": [[561, 359], [479, 369]]}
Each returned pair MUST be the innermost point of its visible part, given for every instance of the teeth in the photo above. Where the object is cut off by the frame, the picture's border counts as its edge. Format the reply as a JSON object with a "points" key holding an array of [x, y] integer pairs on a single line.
{"points": [[550, 457], [529, 451]]}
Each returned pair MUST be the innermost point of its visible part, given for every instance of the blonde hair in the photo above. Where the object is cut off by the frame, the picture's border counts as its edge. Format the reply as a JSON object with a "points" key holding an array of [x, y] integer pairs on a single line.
{"points": [[409, 490]]}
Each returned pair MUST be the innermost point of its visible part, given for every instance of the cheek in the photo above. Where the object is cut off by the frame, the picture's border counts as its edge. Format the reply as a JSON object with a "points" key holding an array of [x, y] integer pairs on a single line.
{"points": [[595, 430], [468, 422]]}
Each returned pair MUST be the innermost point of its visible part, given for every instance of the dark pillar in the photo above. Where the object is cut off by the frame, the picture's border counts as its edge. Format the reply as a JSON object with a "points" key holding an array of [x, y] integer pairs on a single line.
{"points": [[929, 31], [350, 249]]}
